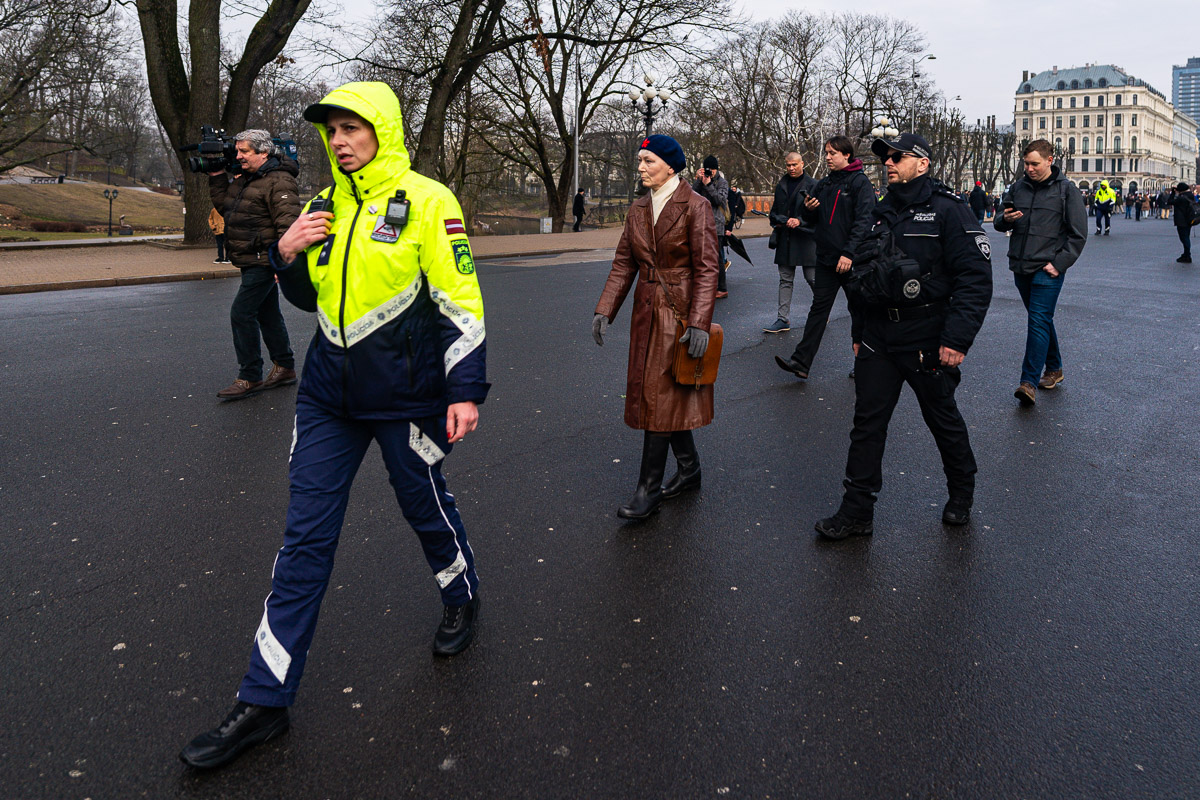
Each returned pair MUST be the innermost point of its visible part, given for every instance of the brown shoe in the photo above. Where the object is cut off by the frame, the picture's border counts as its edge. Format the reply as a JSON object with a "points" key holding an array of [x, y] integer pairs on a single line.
{"points": [[239, 389], [279, 376], [1051, 379], [1026, 394]]}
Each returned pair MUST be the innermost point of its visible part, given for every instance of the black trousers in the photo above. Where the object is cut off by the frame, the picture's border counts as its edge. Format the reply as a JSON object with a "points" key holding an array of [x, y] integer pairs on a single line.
{"points": [[578, 223], [825, 284], [256, 308], [878, 380], [1185, 236]]}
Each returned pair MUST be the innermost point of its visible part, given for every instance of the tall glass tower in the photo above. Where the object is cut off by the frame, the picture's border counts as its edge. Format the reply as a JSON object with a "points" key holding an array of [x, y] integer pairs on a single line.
{"points": [[1185, 88]]}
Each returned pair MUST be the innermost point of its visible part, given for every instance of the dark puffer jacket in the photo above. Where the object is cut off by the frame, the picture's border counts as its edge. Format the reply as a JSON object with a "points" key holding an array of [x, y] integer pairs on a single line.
{"points": [[258, 208]]}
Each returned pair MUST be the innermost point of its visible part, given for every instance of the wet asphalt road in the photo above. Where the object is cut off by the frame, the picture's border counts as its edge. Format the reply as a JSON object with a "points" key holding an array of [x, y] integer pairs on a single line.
{"points": [[1049, 650]]}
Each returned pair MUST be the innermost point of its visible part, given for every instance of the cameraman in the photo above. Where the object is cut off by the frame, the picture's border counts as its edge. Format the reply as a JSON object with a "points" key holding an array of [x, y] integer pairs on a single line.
{"points": [[259, 205]]}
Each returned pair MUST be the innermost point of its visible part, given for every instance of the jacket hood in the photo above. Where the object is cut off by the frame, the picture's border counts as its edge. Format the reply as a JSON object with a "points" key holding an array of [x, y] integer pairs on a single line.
{"points": [[279, 163], [854, 166], [1103, 184], [377, 104]]}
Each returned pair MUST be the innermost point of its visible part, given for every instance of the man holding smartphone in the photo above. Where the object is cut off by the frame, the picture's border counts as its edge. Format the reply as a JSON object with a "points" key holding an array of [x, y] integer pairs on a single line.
{"points": [[1048, 220]]}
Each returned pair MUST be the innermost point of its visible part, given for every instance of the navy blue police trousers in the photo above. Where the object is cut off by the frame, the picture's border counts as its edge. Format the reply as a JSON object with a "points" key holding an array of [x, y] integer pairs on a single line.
{"points": [[326, 452]]}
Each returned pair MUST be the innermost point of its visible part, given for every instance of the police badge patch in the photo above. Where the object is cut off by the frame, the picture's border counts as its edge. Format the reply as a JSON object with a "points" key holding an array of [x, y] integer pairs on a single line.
{"points": [[912, 288], [984, 246], [462, 257], [384, 232]]}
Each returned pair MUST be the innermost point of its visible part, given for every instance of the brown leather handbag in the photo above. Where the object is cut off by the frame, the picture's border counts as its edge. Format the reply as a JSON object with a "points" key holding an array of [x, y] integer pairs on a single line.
{"points": [[688, 371], [702, 371]]}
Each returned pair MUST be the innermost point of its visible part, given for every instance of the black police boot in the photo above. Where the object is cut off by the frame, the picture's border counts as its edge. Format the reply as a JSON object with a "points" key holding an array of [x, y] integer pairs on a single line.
{"points": [[246, 726], [840, 525], [649, 489], [457, 628], [687, 477], [957, 511]]}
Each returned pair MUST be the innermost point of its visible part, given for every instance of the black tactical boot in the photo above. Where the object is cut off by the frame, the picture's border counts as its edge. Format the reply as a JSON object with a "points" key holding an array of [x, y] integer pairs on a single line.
{"points": [[246, 726], [687, 477], [649, 489], [957, 511], [839, 526], [457, 628]]}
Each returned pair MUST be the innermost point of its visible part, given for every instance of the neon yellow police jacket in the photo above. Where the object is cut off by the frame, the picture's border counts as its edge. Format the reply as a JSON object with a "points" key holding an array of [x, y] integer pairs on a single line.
{"points": [[400, 315]]}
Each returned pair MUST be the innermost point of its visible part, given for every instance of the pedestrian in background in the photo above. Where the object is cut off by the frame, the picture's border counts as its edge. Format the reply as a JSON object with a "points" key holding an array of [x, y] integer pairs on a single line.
{"points": [[839, 209], [712, 185], [577, 211], [669, 250], [217, 223], [1046, 215], [1105, 200], [1129, 201], [792, 237], [1184, 212], [979, 202]]}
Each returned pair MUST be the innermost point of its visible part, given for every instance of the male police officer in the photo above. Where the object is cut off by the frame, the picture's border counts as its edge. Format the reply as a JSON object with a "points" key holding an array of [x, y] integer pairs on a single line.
{"points": [[398, 358], [923, 281]]}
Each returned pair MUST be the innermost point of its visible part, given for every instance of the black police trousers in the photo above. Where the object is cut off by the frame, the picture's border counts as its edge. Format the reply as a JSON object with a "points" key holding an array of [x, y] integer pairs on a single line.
{"points": [[878, 379]]}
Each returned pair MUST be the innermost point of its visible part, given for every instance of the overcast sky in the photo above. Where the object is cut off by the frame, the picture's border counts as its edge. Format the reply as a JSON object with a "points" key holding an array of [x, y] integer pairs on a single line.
{"points": [[981, 47]]}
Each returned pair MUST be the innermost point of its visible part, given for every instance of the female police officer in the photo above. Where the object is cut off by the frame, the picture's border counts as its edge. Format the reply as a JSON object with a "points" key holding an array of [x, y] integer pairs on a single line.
{"points": [[399, 358]]}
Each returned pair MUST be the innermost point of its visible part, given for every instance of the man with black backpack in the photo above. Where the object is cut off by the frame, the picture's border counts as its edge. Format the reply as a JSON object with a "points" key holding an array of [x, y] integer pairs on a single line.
{"points": [[1186, 211]]}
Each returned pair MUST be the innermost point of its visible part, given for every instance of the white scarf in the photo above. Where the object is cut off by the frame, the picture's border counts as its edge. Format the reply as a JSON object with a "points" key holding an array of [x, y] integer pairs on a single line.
{"points": [[659, 197]]}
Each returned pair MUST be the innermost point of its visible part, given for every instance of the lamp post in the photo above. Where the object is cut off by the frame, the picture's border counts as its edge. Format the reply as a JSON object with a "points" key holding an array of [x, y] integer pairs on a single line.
{"points": [[945, 127], [110, 195], [647, 96], [883, 130], [915, 61]]}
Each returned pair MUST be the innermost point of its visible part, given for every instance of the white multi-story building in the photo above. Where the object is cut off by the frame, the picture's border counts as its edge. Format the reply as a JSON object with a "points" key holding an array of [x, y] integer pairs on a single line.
{"points": [[1109, 126]]}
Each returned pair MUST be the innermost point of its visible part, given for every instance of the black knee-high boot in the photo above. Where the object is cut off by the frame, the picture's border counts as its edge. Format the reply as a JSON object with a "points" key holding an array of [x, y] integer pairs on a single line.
{"points": [[687, 477], [649, 489]]}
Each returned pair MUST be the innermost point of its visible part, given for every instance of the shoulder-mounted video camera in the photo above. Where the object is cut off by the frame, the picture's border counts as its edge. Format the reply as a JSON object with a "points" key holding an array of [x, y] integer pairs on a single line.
{"points": [[218, 151]]}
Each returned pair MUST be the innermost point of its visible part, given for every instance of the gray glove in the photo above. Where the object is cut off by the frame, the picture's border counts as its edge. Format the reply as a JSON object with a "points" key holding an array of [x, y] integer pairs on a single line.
{"points": [[599, 326], [699, 342]]}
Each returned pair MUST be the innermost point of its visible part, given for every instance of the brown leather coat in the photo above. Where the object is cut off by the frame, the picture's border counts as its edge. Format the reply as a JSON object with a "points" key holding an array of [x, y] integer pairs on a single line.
{"points": [[678, 254]]}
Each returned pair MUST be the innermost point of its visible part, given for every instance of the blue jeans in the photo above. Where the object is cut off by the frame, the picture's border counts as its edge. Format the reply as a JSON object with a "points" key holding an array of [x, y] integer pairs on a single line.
{"points": [[1039, 293]]}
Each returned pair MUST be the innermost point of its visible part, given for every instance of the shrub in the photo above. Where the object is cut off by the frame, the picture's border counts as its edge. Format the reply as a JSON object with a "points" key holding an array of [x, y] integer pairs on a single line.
{"points": [[48, 226]]}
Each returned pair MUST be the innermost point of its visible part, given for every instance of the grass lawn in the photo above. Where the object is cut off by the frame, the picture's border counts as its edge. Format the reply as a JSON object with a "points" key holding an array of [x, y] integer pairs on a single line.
{"points": [[76, 202], [46, 236]]}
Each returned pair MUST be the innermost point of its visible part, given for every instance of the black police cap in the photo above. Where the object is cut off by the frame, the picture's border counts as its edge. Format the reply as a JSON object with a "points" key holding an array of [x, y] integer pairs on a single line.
{"points": [[910, 143]]}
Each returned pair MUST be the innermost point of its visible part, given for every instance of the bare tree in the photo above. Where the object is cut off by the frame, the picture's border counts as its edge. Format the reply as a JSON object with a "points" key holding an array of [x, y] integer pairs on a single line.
{"points": [[186, 97]]}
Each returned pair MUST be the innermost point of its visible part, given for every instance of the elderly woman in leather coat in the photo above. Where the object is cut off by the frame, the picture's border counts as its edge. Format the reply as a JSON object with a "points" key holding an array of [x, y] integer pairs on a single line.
{"points": [[669, 247]]}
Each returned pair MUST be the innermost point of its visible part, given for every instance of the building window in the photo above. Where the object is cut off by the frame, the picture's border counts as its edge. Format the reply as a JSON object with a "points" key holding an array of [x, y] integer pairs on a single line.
{"points": [[1073, 99], [1103, 83], [1116, 144], [1058, 103], [1071, 145], [1118, 99], [1133, 119], [1072, 121], [1133, 145], [1074, 84], [1135, 99], [1087, 120], [1027, 88], [1024, 105], [1083, 163], [1099, 120], [1099, 100], [1087, 84], [1061, 85], [1099, 145], [1025, 124], [1087, 100], [1058, 122], [1043, 103], [1085, 147], [1116, 119], [1041, 123]]}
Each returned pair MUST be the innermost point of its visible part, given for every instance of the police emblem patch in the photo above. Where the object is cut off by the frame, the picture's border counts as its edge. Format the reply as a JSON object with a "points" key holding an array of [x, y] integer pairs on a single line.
{"points": [[384, 232], [462, 257], [912, 288], [984, 246]]}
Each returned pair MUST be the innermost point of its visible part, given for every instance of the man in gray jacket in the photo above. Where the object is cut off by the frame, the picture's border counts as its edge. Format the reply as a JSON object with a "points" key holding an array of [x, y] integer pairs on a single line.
{"points": [[1048, 220], [711, 185]]}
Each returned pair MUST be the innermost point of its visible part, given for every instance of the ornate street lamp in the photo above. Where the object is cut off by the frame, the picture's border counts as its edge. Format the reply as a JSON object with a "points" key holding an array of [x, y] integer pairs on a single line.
{"points": [[883, 130], [110, 196], [649, 112]]}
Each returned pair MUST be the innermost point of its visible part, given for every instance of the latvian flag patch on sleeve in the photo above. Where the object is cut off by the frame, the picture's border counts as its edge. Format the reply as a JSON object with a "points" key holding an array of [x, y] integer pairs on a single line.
{"points": [[455, 226]]}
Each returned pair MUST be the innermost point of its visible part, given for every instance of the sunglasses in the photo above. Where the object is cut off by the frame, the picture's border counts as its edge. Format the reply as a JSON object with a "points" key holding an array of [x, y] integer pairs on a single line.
{"points": [[896, 158]]}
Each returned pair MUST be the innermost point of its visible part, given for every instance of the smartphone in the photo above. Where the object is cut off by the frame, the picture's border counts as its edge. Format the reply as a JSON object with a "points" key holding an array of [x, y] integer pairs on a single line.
{"points": [[1008, 205]]}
